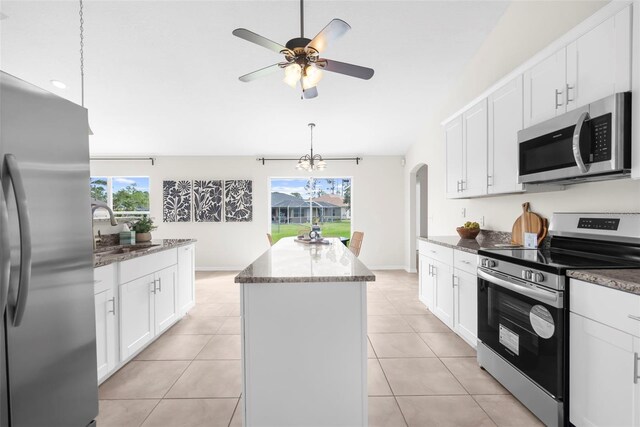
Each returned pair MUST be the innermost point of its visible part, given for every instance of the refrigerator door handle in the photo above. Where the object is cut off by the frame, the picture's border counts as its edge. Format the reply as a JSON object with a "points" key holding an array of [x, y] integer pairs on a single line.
{"points": [[13, 172], [5, 252]]}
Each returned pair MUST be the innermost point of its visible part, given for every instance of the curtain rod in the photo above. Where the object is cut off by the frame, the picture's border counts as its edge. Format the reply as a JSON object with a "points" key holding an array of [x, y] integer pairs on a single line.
{"points": [[115, 159], [265, 159]]}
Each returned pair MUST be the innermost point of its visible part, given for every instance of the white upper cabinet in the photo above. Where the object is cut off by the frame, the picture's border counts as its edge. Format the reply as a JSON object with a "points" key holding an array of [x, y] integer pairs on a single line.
{"points": [[505, 120], [599, 62], [454, 141], [544, 89], [474, 181]]}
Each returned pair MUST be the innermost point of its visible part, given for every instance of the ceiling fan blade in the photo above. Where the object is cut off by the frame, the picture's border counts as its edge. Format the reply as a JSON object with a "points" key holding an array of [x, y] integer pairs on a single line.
{"points": [[344, 68], [260, 73], [252, 37], [333, 31], [312, 92]]}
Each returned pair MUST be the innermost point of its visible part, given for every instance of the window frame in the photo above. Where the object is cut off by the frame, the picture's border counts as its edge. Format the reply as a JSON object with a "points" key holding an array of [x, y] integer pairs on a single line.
{"points": [[109, 179]]}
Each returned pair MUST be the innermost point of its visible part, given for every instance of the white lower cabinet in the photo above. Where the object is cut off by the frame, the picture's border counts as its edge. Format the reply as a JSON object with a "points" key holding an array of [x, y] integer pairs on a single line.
{"points": [[443, 292], [604, 386], [106, 320], [138, 300], [106, 350], [136, 314], [165, 299], [186, 279], [466, 303], [448, 287]]}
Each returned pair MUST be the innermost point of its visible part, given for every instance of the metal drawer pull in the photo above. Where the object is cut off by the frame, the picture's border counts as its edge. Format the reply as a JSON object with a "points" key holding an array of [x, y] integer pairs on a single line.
{"points": [[465, 262], [636, 375], [631, 316], [558, 93], [569, 99], [113, 306]]}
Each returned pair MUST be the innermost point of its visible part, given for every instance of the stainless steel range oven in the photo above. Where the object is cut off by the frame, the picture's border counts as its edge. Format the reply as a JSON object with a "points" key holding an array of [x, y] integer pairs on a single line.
{"points": [[521, 318], [523, 312]]}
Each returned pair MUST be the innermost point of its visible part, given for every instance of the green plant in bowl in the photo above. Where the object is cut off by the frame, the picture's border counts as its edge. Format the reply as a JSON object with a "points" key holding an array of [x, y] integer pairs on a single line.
{"points": [[143, 228]]}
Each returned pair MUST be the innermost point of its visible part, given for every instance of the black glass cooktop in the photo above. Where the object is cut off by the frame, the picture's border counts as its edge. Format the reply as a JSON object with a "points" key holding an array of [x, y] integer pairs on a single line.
{"points": [[555, 261]]}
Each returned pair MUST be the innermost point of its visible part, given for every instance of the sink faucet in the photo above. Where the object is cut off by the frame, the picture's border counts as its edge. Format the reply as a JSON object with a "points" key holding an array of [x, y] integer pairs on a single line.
{"points": [[95, 205]]}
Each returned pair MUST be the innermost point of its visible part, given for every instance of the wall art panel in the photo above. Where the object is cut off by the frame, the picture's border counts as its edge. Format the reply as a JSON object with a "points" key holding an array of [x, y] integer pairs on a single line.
{"points": [[176, 201], [207, 201], [238, 200]]}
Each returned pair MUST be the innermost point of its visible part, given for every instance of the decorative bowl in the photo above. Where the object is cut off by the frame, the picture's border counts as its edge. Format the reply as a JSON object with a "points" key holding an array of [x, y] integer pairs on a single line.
{"points": [[468, 233]]}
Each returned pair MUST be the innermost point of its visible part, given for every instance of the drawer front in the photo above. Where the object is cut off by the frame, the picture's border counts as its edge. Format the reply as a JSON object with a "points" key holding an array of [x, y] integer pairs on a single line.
{"points": [[147, 264], [437, 252], [618, 309], [104, 278], [465, 261]]}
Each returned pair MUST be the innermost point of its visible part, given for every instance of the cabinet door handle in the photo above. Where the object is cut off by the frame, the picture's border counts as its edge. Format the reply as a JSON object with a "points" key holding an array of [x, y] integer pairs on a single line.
{"points": [[569, 87], [154, 286], [558, 104], [462, 185], [631, 316], [458, 186], [434, 272], [454, 280], [113, 306], [159, 284], [429, 270], [489, 178], [636, 375]]}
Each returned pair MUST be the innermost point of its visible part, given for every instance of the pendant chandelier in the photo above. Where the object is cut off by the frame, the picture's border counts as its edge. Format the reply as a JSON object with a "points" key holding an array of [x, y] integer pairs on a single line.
{"points": [[311, 162]]}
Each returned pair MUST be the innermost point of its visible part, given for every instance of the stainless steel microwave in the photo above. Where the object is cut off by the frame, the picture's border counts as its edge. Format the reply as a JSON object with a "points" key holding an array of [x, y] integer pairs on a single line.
{"points": [[590, 143]]}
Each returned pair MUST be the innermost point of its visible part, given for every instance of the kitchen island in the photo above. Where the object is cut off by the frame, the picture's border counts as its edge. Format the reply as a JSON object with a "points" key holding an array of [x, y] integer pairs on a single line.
{"points": [[304, 336]]}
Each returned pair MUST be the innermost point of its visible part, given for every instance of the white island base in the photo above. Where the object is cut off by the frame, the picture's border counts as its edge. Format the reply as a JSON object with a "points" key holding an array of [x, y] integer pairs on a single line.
{"points": [[304, 338], [304, 354]]}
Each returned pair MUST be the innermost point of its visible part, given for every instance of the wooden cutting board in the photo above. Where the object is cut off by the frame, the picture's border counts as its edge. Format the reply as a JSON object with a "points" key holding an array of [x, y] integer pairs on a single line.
{"points": [[528, 222]]}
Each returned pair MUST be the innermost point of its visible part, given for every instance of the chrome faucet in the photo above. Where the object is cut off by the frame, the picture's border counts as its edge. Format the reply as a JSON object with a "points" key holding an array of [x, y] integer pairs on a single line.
{"points": [[95, 205]]}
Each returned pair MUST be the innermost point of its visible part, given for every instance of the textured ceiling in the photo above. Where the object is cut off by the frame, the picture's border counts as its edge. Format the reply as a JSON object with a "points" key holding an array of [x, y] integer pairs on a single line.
{"points": [[162, 76]]}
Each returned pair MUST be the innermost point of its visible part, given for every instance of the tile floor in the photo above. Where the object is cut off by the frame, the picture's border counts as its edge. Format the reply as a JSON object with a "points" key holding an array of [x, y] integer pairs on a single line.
{"points": [[420, 373]]}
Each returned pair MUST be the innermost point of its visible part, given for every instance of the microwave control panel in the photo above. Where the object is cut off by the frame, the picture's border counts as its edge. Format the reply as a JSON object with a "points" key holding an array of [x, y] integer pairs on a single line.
{"points": [[601, 138]]}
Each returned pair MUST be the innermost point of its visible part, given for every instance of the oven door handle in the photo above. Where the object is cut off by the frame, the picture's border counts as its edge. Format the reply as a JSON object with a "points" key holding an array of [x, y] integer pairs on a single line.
{"points": [[576, 142], [547, 297]]}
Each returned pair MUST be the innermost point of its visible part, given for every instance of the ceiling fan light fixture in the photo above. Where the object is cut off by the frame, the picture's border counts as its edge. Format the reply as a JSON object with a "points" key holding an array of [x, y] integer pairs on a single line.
{"points": [[292, 74], [312, 75]]}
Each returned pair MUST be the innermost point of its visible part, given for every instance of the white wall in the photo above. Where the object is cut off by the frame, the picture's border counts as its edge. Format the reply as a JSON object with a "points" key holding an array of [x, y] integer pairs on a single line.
{"points": [[377, 202], [525, 28]]}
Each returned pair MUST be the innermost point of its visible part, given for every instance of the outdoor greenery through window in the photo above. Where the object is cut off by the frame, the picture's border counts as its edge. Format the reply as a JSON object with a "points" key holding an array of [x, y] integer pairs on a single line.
{"points": [[296, 203], [126, 195]]}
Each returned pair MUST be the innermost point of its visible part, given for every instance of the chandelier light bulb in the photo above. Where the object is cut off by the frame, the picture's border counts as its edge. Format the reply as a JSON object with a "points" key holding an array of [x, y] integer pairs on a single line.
{"points": [[292, 74]]}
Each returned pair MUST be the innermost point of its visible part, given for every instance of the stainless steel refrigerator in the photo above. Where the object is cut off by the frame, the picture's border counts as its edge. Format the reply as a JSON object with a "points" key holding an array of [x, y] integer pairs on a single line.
{"points": [[48, 344]]}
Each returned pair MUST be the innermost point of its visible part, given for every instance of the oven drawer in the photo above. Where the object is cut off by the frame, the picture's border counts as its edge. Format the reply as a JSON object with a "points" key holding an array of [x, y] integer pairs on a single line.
{"points": [[437, 252], [611, 307], [465, 261]]}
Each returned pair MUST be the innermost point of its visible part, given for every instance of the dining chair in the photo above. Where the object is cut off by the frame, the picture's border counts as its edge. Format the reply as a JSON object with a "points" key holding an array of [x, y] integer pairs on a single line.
{"points": [[270, 239], [356, 242]]}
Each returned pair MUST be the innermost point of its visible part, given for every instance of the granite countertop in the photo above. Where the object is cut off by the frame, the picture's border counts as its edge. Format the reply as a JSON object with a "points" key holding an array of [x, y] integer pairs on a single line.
{"points": [[486, 240], [109, 254], [289, 261], [627, 280]]}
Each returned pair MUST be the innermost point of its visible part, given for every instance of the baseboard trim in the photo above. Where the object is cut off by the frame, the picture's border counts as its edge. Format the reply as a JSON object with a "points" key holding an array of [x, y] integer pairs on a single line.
{"points": [[375, 267], [220, 268]]}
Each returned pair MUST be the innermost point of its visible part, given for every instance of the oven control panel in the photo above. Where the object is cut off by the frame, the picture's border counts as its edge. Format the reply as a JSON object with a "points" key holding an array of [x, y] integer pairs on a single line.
{"points": [[599, 223]]}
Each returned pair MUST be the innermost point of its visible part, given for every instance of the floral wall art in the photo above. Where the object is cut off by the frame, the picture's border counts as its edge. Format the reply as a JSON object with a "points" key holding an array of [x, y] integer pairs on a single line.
{"points": [[176, 201], [238, 201], [207, 201]]}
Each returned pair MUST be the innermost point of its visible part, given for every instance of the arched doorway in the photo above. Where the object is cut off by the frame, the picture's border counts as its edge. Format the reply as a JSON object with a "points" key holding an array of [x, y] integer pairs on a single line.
{"points": [[418, 211]]}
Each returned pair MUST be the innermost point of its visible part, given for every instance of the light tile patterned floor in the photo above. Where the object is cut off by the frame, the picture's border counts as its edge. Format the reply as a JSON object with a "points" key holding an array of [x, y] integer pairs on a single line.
{"points": [[420, 373]]}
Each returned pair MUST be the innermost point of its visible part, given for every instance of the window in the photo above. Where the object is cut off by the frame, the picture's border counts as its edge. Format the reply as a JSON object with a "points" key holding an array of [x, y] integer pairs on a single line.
{"points": [[299, 202], [126, 195]]}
